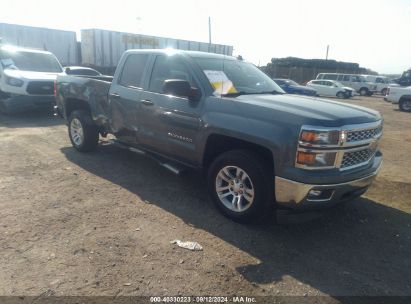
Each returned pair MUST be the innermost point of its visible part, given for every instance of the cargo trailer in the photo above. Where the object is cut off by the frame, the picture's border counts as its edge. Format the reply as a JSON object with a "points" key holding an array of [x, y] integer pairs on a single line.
{"points": [[63, 44]]}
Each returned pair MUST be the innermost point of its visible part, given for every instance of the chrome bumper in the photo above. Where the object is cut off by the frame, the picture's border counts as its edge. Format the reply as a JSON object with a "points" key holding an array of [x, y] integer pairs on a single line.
{"points": [[295, 195]]}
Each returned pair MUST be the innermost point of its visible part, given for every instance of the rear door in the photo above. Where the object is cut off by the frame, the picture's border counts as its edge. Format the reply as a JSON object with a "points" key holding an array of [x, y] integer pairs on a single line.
{"points": [[329, 88], [170, 124], [319, 87], [124, 97]]}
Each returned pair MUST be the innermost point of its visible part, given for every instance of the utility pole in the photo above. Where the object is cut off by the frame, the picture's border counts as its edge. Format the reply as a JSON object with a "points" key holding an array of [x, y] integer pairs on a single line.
{"points": [[326, 55], [209, 34]]}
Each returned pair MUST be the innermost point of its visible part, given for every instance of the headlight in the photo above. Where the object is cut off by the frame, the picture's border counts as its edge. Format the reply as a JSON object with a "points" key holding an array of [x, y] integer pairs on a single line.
{"points": [[15, 82], [309, 137], [316, 159]]}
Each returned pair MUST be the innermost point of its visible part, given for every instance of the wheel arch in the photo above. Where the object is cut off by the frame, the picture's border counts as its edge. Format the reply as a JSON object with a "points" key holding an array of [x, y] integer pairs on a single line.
{"points": [[73, 104], [217, 144]]}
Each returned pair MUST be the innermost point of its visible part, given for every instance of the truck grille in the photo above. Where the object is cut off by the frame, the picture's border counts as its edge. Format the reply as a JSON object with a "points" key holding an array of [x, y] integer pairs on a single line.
{"points": [[40, 88], [355, 158], [361, 135]]}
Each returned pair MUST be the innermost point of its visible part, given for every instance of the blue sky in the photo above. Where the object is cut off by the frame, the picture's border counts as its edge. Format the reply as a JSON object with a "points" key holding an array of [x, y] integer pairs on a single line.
{"points": [[376, 34]]}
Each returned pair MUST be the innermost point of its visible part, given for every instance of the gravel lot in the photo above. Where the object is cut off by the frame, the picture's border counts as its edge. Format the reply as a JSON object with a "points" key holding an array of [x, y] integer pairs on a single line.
{"points": [[101, 224]]}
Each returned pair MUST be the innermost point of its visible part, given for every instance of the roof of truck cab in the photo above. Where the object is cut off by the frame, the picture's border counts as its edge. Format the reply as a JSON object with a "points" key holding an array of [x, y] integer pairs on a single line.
{"points": [[189, 53]]}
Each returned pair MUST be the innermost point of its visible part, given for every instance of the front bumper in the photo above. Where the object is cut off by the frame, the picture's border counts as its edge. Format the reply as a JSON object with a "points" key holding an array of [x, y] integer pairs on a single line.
{"points": [[21, 103], [296, 195]]}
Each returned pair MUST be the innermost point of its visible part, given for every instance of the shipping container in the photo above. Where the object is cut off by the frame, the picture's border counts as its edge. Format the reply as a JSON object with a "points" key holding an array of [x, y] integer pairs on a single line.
{"points": [[63, 44], [103, 49]]}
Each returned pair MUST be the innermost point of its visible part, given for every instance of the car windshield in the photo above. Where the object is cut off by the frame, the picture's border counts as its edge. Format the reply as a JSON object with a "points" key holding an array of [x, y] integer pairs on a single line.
{"points": [[30, 61], [291, 82], [235, 77], [339, 84]]}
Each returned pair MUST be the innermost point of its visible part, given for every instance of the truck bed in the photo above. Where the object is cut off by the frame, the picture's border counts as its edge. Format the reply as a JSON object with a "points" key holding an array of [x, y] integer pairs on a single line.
{"points": [[93, 90]]}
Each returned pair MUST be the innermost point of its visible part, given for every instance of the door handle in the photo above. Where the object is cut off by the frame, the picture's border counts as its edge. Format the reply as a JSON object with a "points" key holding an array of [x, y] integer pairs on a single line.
{"points": [[147, 102], [115, 95]]}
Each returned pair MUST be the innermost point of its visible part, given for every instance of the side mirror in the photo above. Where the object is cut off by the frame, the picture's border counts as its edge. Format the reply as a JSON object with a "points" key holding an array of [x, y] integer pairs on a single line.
{"points": [[180, 88]]}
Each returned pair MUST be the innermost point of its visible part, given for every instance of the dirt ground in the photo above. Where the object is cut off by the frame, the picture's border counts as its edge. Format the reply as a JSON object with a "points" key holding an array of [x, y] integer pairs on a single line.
{"points": [[101, 224]]}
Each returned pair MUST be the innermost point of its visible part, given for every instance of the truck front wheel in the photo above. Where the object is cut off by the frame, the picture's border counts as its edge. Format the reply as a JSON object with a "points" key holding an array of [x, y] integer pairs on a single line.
{"points": [[82, 131], [240, 185]]}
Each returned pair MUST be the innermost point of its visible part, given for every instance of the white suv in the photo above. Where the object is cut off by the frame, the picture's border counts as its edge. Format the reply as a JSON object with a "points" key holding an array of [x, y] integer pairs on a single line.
{"points": [[382, 82], [357, 82], [27, 79]]}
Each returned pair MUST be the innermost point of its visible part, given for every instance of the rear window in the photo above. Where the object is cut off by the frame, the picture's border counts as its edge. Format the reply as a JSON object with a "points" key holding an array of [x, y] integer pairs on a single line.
{"points": [[132, 74]]}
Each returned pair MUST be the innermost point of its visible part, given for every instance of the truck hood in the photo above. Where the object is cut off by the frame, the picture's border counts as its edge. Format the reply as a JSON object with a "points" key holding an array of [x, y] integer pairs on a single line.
{"points": [[28, 75], [305, 110]]}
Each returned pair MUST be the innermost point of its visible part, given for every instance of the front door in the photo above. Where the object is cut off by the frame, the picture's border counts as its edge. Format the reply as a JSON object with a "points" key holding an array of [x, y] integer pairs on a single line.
{"points": [[169, 124]]}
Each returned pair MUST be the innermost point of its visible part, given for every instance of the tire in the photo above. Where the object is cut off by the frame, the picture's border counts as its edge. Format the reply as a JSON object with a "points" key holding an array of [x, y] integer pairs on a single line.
{"points": [[384, 92], [341, 95], [364, 92], [247, 197], [405, 105], [83, 132]]}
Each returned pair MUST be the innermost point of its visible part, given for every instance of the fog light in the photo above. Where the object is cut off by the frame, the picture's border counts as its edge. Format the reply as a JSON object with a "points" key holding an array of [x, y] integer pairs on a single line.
{"points": [[320, 195], [315, 193]]}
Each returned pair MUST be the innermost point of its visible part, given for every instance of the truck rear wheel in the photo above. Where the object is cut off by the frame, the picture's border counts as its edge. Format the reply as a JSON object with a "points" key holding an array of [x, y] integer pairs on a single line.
{"points": [[240, 185], [82, 131]]}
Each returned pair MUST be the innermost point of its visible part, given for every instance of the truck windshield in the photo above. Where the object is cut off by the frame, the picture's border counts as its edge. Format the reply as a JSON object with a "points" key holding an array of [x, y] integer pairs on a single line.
{"points": [[30, 61], [235, 77]]}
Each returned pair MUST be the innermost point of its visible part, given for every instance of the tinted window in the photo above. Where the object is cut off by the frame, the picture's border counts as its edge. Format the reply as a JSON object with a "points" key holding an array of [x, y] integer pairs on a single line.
{"points": [[168, 67], [87, 72], [379, 80], [346, 78], [279, 81], [133, 69], [340, 77], [355, 79]]}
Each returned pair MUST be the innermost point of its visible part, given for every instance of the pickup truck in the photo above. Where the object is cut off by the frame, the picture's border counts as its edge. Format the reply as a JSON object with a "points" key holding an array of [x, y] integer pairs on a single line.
{"points": [[400, 96], [26, 79], [260, 148]]}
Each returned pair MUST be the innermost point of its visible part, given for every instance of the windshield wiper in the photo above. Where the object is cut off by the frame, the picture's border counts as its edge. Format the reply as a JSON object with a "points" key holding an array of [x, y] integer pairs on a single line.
{"points": [[236, 94], [274, 92]]}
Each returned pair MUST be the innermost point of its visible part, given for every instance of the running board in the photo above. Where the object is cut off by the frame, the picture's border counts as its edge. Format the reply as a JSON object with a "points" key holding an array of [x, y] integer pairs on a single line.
{"points": [[170, 166]]}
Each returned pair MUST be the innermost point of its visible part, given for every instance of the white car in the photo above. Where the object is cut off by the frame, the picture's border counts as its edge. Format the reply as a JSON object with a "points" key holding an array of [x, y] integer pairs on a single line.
{"points": [[382, 82], [331, 88], [401, 96], [27, 78]]}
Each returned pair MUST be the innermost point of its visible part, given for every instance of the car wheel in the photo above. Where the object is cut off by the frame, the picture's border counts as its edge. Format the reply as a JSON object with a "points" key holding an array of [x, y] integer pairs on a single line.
{"points": [[405, 105], [384, 92], [83, 132], [363, 92], [341, 95], [240, 185]]}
